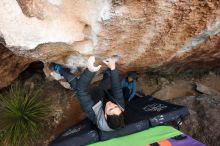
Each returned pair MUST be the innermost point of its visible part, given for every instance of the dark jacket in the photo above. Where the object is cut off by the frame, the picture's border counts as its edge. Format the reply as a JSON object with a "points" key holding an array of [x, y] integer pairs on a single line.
{"points": [[93, 108]]}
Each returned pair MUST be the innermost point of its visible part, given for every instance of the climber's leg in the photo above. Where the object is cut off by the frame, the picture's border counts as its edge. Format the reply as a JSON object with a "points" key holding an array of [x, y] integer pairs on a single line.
{"points": [[65, 72]]}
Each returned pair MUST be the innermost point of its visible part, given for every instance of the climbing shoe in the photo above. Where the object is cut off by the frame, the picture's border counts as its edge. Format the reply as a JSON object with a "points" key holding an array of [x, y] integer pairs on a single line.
{"points": [[56, 67]]}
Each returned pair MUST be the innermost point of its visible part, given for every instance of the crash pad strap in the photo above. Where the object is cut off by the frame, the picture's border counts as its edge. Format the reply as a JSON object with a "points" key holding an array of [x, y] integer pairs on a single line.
{"points": [[142, 138]]}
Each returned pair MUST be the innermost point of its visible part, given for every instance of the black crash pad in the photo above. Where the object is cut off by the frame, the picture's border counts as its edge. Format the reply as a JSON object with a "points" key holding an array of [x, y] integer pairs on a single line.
{"points": [[140, 114], [132, 125], [157, 111], [78, 135], [143, 112]]}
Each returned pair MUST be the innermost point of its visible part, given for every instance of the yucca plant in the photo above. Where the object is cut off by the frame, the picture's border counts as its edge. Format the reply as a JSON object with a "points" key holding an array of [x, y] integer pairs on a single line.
{"points": [[1, 137], [23, 114]]}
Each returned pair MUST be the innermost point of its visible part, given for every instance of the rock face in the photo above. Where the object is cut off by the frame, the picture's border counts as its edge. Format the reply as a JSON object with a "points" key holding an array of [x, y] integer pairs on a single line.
{"points": [[166, 35], [204, 121], [10, 66], [206, 90]]}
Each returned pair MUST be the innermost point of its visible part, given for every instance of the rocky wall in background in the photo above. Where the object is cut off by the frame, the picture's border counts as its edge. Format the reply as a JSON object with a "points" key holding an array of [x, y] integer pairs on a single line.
{"points": [[11, 66]]}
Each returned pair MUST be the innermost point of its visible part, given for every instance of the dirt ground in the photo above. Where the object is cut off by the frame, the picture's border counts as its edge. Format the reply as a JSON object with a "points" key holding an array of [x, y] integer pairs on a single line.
{"points": [[171, 87]]}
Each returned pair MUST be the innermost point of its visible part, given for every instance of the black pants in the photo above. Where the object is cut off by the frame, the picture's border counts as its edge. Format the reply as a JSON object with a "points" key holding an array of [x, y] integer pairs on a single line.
{"points": [[70, 78], [126, 93]]}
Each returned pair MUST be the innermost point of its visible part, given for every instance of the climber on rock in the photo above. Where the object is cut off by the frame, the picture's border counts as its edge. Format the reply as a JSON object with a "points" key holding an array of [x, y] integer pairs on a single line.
{"points": [[104, 105]]}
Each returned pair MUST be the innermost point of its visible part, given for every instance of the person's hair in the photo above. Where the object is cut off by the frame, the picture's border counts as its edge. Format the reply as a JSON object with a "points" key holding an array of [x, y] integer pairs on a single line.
{"points": [[133, 75], [115, 121]]}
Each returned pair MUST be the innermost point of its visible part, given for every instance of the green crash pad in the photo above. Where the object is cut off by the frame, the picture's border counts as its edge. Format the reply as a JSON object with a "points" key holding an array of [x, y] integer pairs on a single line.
{"points": [[141, 138]]}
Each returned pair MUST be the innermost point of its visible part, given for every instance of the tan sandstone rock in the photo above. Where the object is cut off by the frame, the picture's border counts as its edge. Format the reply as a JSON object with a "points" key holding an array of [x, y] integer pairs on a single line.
{"points": [[170, 36], [10, 66]]}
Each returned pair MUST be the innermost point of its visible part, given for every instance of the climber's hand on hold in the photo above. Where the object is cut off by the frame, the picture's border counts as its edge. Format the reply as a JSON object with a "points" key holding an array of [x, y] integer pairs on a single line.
{"points": [[110, 62], [90, 64]]}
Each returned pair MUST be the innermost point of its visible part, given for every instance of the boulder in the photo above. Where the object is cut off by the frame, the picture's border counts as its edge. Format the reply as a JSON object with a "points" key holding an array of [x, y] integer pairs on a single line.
{"points": [[168, 36], [204, 121], [206, 90], [146, 34], [178, 88], [11, 66]]}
